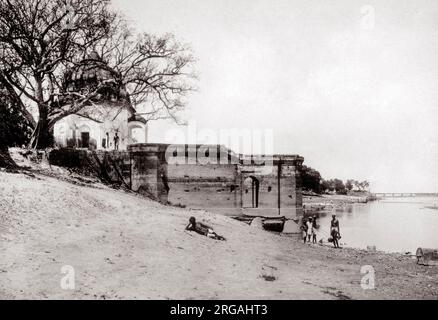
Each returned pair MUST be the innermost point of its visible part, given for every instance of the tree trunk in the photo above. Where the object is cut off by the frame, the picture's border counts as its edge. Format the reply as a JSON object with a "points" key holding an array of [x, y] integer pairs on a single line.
{"points": [[42, 136], [5, 159]]}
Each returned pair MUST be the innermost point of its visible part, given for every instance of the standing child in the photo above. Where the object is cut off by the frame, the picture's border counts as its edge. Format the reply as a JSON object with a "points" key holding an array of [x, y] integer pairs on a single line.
{"points": [[309, 229], [304, 230]]}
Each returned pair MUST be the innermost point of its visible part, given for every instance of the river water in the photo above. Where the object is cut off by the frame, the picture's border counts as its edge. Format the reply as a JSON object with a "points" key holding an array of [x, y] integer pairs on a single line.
{"points": [[392, 224]]}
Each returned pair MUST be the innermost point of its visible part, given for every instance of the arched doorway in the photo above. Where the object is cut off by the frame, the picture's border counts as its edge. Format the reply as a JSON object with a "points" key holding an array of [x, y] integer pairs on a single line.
{"points": [[251, 186], [84, 136]]}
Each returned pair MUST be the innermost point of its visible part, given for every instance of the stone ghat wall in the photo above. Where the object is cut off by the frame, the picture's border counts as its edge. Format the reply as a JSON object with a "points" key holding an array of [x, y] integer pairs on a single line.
{"points": [[291, 201], [209, 186], [228, 187], [278, 189]]}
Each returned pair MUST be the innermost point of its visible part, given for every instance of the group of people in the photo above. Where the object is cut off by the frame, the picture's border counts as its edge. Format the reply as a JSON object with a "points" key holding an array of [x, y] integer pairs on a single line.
{"points": [[310, 230]]}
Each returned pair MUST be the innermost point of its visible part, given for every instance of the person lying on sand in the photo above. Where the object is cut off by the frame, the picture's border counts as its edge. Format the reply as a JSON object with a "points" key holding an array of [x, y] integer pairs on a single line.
{"points": [[202, 229]]}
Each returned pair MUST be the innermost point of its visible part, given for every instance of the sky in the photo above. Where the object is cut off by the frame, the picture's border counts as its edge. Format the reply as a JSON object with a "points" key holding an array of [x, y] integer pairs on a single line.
{"points": [[352, 86]]}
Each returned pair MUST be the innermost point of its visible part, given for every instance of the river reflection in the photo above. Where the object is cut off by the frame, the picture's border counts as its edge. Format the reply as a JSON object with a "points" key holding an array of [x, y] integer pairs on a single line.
{"points": [[392, 225]]}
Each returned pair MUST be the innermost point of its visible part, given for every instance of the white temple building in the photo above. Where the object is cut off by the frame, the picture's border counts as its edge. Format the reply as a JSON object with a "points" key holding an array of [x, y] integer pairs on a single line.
{"points": [[112, 127], [109, 122]]}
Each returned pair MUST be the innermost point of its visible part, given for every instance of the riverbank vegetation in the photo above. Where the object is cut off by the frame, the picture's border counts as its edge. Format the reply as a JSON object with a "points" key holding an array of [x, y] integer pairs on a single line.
{"points": [[312, 182]]}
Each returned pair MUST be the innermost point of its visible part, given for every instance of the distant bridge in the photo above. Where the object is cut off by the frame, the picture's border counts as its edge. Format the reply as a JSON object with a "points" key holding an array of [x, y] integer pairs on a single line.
{"points": [[403, 195]]}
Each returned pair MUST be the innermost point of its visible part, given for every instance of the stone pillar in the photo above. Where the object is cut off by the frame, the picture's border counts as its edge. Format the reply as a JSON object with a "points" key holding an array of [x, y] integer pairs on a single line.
{"points": [[162, 175], [293, 204], [144, 169], [298, 193], [291, 197]]}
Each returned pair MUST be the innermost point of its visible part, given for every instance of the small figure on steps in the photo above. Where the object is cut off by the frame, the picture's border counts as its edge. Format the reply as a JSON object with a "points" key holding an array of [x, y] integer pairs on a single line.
{"points": [[116, 141]]}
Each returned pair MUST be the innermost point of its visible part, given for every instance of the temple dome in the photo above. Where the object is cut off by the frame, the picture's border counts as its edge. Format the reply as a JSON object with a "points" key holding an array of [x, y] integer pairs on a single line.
{"points": [[92, 69], [89, 75], [137, 118]]}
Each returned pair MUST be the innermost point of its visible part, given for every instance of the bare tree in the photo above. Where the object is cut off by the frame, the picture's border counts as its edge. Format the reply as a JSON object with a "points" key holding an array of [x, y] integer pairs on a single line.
{"points": [[156, 71], [45, 46]]}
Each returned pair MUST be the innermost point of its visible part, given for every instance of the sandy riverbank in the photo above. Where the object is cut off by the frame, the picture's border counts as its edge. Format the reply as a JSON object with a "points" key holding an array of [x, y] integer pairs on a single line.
{"points": [[124, 246]]}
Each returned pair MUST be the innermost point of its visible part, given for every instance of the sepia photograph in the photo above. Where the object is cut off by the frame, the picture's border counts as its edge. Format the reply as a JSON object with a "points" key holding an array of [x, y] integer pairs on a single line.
{"points": [[218, 150]]}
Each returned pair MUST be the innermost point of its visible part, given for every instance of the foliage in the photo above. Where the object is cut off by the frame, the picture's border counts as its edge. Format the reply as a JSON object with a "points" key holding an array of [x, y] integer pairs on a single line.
{"points": [[311, 179], [45, 45], [13, 128], [338, 186]]}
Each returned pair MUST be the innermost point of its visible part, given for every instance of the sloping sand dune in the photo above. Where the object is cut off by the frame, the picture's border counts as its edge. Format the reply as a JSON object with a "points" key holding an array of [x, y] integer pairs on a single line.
{"points": [[124, 246]]}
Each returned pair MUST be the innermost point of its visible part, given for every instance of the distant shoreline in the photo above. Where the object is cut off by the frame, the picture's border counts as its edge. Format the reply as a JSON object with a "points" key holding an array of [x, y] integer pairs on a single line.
{"points": [[314, 203]]}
